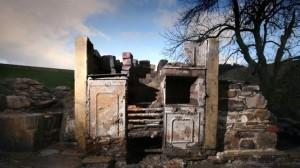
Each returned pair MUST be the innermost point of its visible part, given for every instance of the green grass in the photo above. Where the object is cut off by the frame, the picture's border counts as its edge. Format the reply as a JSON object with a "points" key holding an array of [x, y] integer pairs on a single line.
{"points": [[48, 76]]}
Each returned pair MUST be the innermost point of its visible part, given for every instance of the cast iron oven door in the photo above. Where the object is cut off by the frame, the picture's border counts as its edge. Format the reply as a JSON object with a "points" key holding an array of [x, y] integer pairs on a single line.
{"points": [[106, 108], [183, 127], [184, 104]]}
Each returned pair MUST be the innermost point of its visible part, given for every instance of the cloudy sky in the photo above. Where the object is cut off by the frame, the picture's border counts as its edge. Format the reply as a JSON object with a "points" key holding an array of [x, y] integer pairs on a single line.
{"points": [[42, 32]]}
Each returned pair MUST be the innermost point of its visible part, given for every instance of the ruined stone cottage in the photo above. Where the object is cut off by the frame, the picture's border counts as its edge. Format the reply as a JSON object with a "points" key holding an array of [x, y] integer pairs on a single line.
{"points": [[179, 109]]}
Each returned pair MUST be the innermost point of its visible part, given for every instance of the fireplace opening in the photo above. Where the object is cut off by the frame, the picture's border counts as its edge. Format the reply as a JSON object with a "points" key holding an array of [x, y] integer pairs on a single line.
{"points": [[178, 89]]}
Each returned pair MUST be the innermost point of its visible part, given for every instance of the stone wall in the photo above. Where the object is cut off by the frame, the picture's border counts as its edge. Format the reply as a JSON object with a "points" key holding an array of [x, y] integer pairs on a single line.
{"points": [[28, 131], [244, 121], [66, 97], [31, 114]]}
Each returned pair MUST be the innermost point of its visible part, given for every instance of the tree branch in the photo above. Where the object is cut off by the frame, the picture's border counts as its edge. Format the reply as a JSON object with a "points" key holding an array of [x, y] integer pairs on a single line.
{"points": [[283, 40], [241, 43]]}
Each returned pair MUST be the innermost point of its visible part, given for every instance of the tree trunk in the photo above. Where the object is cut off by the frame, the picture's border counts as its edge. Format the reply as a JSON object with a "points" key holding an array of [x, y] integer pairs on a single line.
{"points": [[267, 83]]}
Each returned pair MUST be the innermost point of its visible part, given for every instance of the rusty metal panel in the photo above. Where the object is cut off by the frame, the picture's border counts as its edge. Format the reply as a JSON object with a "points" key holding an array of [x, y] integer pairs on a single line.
{"points": [[106, 113], [183, 126]]}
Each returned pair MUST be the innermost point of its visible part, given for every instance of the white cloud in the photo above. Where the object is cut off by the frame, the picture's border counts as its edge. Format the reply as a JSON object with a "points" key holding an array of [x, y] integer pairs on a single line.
{"points": [[159, 3], [167, 14], [139, 36], [167, 19], [36, 32]]}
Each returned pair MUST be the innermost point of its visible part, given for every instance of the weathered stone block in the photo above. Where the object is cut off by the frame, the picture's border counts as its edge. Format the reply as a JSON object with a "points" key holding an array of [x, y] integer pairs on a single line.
{"points": [[235, 105], [262, 114], [243, 119], [231, 93], [246, 93], [39, 86], [247, 144], [231, 141], [16, 102], [21, 86], [257, 126], [250, 88], [232, 117], [246, 134], [250, 116], [266, 140], [247, 117], [127, 61], [256, 101], [27, 81]]}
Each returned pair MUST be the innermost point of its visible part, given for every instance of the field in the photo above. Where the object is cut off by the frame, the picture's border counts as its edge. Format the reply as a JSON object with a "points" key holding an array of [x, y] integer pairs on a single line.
{"points": [[48, 76]]}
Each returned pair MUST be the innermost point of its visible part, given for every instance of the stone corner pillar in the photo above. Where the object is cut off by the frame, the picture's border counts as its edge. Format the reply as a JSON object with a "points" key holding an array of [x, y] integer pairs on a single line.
{"points": [[211, 120], [80, 79]]}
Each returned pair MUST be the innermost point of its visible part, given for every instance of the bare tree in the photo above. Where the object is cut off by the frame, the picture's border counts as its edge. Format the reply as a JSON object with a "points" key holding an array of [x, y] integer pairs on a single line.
{"points": [[261, 31]]}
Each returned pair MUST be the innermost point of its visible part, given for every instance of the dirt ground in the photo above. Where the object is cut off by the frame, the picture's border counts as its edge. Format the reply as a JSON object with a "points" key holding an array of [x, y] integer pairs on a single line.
{"points": [[55, 156], [68, 156]]}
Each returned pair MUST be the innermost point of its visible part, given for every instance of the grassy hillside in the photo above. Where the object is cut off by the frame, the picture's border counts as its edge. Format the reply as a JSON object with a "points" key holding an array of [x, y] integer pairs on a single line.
{"points": [[48, 76], [236, 72]]}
